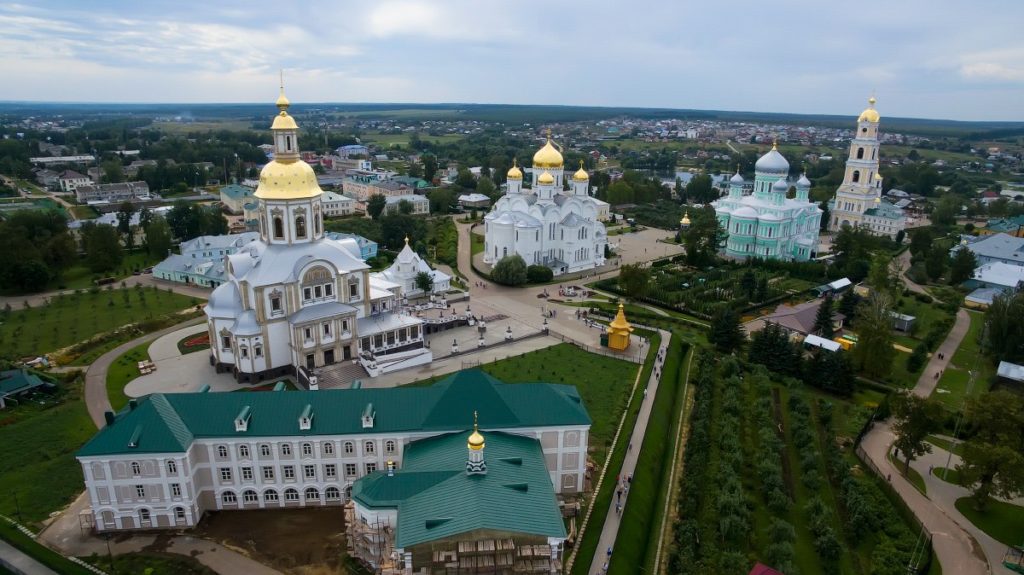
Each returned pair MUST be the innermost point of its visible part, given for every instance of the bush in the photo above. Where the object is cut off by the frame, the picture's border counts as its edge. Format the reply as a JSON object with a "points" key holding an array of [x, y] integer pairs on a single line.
{"points": [[539, 274], [509, 271]]}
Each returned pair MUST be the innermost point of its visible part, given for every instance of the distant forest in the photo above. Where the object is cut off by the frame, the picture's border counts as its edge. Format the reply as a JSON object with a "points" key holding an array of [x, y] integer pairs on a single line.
{"points": [[510, 114]]}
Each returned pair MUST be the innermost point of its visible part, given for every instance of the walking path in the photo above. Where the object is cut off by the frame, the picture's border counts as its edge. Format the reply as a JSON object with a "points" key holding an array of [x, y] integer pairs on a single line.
{"points": [[904, 262], [96, 400], [610, 530], [953, 543], [17, 562]]}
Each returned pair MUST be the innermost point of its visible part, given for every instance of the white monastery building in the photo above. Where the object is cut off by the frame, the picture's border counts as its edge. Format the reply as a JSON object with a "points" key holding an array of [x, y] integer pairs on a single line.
{"points": [[295, 298], [858, 200], [547, 225]]}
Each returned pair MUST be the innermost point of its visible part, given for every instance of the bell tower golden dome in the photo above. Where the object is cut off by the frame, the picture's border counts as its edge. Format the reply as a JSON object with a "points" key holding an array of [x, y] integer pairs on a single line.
{"points": [[514, 173], [286, 177], [870, 114]]}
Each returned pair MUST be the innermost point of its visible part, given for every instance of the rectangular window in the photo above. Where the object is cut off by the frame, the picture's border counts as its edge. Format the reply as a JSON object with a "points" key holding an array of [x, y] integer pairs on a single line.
{"points": [[309, 471], [275, 304], [328, 290], [330, 471], [370, 468], [327, 329], [140, 491], [175, 490], [414, 331], [308, 333], [391, 338], [268, 473], [350, 470], [307, 293], [378, 341], [318, 292], [289, 472], [353, 291], [225, 342], [225, 474], [247, 473]]}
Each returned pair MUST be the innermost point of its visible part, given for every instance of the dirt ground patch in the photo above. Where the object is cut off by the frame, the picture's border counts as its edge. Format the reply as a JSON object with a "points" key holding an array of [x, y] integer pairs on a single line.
{"points": [[295, 541]]}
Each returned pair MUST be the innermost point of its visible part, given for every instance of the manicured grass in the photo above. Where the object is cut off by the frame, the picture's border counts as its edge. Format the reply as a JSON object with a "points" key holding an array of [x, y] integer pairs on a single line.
{"points": [[123, 370], [946, 444], [478, 243], [949, 475], [1003, 521], [587, 545], [84, 212], [193, 343], [79, 276], [912, 475], [37, 551], [603, 383], [642, 516], [37, 463], [152, 563], [968, 356], [72, 318]]}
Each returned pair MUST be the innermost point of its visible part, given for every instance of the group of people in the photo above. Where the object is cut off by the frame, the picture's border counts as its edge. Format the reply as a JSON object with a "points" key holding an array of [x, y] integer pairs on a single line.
{"points": [[480, 284]]}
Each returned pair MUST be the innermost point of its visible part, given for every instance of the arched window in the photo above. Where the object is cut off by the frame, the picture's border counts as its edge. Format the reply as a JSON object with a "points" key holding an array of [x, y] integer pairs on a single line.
{"points": [[328, 448], [270, 496], [136, 468], [860, 153], [250, 496], [307, 449], [856, 175], [389, 446], [300, 226], [291, 495], [332, 494], [350, 447], [228, 498], [264, 450], [368, 447], [144, 516], [172, 468], [316, 223], [179, 513], [312, 494], [278, 228], [222, 451], [286, 449], [243, 451]]}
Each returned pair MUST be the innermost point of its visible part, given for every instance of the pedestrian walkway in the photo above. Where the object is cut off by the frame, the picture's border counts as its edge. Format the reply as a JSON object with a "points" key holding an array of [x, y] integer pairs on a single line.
{"points": [[17, 562], [957, 550], [610, 529]]}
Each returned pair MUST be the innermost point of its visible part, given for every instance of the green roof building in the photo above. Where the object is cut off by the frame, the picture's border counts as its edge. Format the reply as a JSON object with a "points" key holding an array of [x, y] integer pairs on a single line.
{"points": [[167, 458]]}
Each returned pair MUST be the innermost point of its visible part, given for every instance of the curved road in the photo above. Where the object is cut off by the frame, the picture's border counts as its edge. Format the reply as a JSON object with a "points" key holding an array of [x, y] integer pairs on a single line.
{"points": [[96, 400]]}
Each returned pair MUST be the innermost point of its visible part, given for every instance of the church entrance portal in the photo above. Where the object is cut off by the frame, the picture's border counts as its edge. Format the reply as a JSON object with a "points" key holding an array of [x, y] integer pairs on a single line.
{"points": [[347, 352], [328, 357], [310, 361]]}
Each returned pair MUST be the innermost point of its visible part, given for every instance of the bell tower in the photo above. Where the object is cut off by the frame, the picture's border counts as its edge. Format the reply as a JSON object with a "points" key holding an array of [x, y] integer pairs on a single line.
{"points": [[862, 184]]}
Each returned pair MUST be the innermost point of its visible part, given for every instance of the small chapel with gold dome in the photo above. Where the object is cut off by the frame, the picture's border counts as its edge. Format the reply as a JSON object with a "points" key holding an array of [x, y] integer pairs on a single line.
{"points": [[556, 223], [296, 300]]}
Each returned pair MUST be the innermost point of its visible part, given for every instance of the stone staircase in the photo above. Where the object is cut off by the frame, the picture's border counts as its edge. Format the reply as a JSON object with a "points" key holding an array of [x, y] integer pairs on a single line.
{"points": [[341, 375]]}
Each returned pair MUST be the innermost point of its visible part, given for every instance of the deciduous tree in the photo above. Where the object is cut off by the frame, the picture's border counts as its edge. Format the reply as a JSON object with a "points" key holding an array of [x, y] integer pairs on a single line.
{"points": [[915, 418], [993, 459], [634, 280], [375, 205], [510, 271]]}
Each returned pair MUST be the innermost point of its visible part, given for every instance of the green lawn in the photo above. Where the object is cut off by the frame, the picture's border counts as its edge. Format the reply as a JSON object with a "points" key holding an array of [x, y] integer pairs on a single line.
{"points": [[84, 212], [478, 243], [37, 464], [390, 140], [968, 356], [949, 475], [912, 476], [73, 318], [79, 276], [151, 563], [123, 370], [946, 444], [1002, 521]]}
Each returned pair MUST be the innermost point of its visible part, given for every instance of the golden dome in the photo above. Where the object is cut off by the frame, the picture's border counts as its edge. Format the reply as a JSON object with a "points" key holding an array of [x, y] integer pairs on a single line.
{"points": [[287, 180], [870, 114], [686, 219], [581, 175], [619, 324], [514, 173], [546, 179], [476, 440], [548, 156], [284, 122]]}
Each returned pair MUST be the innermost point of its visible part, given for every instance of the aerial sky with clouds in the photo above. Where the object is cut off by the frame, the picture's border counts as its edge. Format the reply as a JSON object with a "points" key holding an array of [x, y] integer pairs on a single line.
{"points": [[922, 58]]}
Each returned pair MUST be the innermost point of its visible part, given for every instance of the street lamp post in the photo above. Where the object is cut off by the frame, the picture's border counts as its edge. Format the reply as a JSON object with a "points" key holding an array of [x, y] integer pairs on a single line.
{"points": [[956, 427]]}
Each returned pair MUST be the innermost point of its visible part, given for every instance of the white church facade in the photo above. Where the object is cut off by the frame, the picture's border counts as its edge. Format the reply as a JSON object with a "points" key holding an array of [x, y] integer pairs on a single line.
{"points": [[296, 298], [766, 224], [858, 201], [546, 224], [408, 264]]}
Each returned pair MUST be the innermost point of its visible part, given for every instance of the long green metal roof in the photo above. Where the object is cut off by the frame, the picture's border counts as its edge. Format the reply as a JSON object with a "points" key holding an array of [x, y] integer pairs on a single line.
{"points": [[168, 423], [436, 498]]}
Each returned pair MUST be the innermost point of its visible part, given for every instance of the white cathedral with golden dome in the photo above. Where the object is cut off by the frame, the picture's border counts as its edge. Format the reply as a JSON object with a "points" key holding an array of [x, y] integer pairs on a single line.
{"points": [[296, 300], [556, 223]]}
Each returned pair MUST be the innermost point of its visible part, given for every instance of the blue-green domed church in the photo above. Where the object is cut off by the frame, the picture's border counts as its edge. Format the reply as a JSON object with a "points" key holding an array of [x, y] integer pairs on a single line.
{"points": [[765, 223]]}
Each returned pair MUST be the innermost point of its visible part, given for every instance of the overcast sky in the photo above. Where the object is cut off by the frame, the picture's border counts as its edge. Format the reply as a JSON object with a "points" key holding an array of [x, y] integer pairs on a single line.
{"points": [[923, 58]]}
